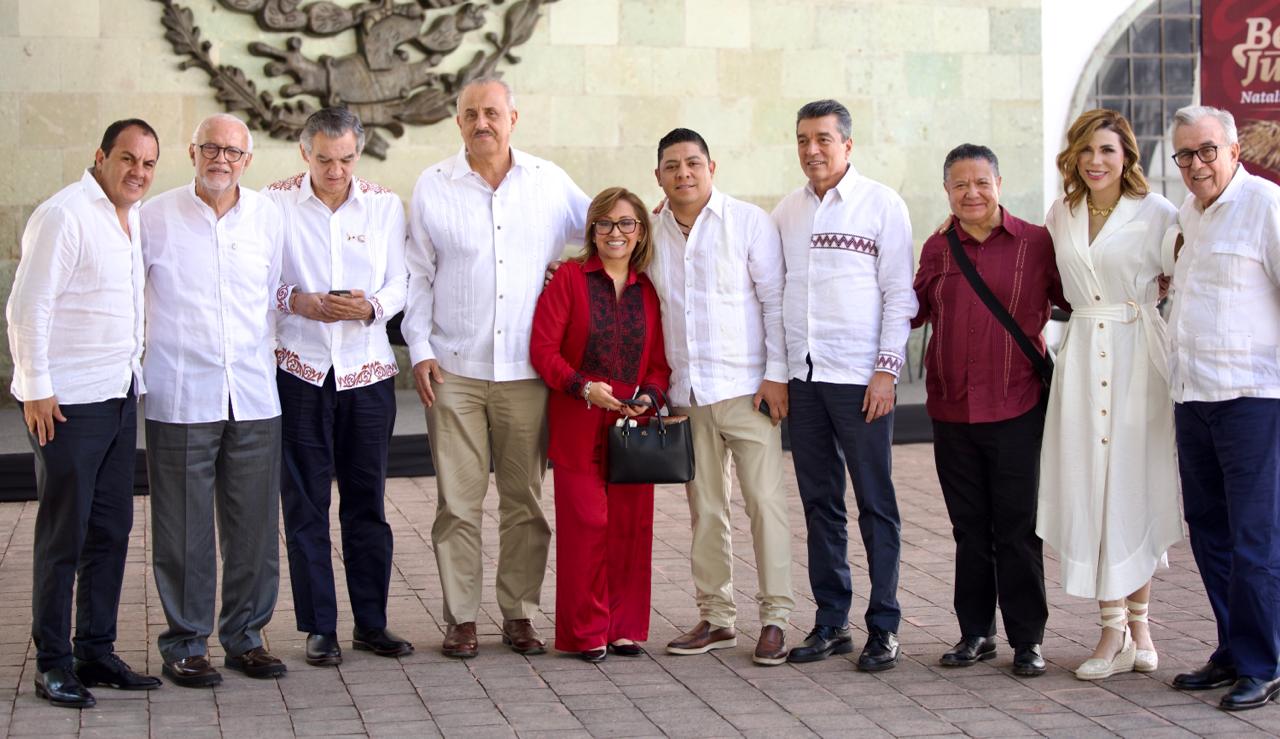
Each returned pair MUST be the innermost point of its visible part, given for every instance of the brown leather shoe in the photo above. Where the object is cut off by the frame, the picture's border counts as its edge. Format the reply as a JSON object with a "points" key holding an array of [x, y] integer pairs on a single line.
{"points": [[191, 672], [256, 663], [703, 638], [519, 634], [770, 650], [460, 641]]}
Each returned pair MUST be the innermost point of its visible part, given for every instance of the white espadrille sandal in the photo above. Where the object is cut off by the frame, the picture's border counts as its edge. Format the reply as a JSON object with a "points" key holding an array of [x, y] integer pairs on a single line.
{"points": [[1144, 660], [1096, 668]]}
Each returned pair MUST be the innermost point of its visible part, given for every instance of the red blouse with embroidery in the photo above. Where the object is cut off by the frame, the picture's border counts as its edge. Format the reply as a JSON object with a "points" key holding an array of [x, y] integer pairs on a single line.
{"points": [[581, 333]]}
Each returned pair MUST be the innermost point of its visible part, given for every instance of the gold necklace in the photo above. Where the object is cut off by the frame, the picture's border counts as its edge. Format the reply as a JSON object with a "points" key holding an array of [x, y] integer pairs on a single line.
{"points": [[1100, 212]]}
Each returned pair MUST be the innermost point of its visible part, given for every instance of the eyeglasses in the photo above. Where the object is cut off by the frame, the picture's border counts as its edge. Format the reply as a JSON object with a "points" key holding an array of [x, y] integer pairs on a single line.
{"points": [[604, 227], [1206, 154], [211, 152]]}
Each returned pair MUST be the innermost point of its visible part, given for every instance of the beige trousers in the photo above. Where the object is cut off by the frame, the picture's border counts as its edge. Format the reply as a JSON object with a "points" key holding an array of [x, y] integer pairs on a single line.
{"points": [[471, 421], [733, 431]]}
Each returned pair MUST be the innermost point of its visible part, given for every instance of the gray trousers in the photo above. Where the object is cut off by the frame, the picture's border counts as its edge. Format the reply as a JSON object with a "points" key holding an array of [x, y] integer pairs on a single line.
{"points": [[233, 467]]}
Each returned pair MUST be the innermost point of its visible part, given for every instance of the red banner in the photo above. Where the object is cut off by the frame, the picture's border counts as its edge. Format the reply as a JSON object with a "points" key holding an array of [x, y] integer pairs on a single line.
{"points": [[1240, 72]]}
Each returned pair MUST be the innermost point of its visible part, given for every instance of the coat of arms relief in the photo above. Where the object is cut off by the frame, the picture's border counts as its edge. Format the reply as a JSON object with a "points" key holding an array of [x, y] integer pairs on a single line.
{"points": [[396, 76]]}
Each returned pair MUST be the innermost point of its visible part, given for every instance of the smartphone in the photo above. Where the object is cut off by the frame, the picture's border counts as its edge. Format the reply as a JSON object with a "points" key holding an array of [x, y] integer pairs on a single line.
{"points": [[635, 402], [764, 408], [341, 293]]}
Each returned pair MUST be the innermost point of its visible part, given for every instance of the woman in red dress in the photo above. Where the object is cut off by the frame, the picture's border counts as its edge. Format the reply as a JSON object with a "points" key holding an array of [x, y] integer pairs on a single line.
{"points": [[597, 342]]}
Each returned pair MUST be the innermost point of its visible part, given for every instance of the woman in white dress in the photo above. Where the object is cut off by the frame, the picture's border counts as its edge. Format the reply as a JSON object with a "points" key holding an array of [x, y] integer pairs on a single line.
{"points": [[1108, 499]]}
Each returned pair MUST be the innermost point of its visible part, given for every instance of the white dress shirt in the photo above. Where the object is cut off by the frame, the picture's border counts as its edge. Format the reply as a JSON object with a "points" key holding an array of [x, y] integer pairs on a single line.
{"points": [[477, 258], [1224, 329], [848, 302], [721, 293], [211, 285], [75, 313], [360, 246]]}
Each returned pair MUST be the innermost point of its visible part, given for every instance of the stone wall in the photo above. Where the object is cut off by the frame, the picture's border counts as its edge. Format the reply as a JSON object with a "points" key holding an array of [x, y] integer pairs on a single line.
{"points": [[598, 84]]}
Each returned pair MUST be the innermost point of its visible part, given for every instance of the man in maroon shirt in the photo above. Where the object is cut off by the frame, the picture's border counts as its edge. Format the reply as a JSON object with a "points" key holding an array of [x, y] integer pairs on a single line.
{"points": [[984, 399]]}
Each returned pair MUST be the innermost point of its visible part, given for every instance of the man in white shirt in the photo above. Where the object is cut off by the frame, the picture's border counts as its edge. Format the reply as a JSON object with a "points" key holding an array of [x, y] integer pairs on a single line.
{"points": [[483, 226], [847, 309], [75, 334], [342, 278], [1224, 334], [718, 271], [212, 254]]}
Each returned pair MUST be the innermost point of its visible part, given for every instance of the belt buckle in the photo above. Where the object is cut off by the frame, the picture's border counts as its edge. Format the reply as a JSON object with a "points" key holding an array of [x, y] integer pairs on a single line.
{"points": [[1132, 304]]}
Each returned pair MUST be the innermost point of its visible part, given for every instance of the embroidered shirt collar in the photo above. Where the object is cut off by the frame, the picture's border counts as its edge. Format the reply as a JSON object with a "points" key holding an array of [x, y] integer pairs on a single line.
{"points": [[594, 264]]}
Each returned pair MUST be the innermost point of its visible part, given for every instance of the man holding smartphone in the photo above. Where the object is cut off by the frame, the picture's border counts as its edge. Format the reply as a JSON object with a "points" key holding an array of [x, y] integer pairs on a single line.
{"points": [[343, 275]]}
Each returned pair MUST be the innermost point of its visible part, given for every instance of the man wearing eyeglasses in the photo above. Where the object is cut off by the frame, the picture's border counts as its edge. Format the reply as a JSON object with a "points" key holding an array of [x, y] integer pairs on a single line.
{"points": [[717, 269], [483, 226], [1225, 376], [212, 251]]}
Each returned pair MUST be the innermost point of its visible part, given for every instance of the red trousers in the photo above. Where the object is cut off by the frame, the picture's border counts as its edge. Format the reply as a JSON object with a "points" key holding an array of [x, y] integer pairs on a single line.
{"points": [[604, 551]]}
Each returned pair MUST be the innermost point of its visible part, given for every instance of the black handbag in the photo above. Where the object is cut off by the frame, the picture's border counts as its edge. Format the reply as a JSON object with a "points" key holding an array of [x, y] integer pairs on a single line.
{"points": [[651, 450], [1041, 362]]}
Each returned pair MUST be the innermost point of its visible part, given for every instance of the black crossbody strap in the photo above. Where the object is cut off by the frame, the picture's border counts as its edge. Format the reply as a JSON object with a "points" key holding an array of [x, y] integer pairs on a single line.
{"points": [[1042, 363]]}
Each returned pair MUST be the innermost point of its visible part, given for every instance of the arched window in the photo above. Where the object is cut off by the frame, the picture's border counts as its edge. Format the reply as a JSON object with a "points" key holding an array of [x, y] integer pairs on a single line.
{"points": [[1150, 68]]}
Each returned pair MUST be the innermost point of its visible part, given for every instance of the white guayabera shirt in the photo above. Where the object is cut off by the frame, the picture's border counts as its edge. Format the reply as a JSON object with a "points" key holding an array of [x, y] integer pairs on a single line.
{"points": [[211, 285], [477, 258], [721, 293], [1224, 329], [360, 246], [848, 302], [75, 313]]}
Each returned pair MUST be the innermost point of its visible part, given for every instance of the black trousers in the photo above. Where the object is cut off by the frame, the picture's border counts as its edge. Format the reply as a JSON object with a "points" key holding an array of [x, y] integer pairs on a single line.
{"points": [[84, 482], [989, 474], [346, 434]]}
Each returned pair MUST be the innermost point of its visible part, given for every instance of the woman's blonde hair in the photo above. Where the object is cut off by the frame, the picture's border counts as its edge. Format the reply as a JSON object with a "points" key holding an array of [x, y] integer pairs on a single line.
{"points": [[1132, 182], [600, 208]]}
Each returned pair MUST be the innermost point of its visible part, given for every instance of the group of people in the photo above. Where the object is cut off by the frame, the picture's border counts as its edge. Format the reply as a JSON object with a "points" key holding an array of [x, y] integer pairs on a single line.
{"points": [[268, 373]]}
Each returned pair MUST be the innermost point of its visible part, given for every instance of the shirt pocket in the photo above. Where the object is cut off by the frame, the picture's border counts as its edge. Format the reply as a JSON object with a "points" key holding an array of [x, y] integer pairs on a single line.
{"points": [[1231, 260], [1225, 360]]}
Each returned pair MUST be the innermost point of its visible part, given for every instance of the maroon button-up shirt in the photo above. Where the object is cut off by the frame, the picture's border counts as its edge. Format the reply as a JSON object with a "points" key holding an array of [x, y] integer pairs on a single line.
{"points": [[976, 373]]}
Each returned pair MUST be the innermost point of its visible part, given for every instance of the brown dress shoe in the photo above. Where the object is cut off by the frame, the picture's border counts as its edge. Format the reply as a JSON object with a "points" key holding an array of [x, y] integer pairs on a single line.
{"points": [[703, 638], [770, 650], [460, 641], [256, 663], [519, 634], [192, 672]]}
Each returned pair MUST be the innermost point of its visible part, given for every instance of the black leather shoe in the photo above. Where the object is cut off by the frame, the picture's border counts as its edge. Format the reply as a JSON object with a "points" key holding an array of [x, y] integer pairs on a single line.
{"points": [[111, 671], [381, 642], [821, 643], [1249, 692], [970, 650], [1027, 660], [626, 650], [323, 649], [594, 655], [880, 653], [1211, 676], [62, 688]]}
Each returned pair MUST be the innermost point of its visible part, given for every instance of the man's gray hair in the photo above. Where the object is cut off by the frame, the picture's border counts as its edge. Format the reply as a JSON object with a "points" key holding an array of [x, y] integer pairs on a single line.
{"points": [[489, 79], [195, 135], [1191, 114], [824, 108], [333, 123]]}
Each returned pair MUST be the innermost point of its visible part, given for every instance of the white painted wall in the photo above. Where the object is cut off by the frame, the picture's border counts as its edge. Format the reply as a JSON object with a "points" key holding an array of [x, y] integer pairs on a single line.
{"points": [[1070, 31]]}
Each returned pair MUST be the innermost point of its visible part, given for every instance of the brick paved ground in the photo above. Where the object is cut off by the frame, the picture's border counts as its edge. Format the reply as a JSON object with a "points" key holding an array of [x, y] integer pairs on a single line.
{"points": [[721, 694]]}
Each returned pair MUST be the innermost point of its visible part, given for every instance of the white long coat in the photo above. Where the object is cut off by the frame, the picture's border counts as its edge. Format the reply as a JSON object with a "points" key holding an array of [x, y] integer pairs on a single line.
{"points": [[1108, 499]]}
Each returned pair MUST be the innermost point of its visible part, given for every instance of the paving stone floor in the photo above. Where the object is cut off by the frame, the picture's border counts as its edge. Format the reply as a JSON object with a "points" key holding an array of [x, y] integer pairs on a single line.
{"points": [[720, 694]]}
